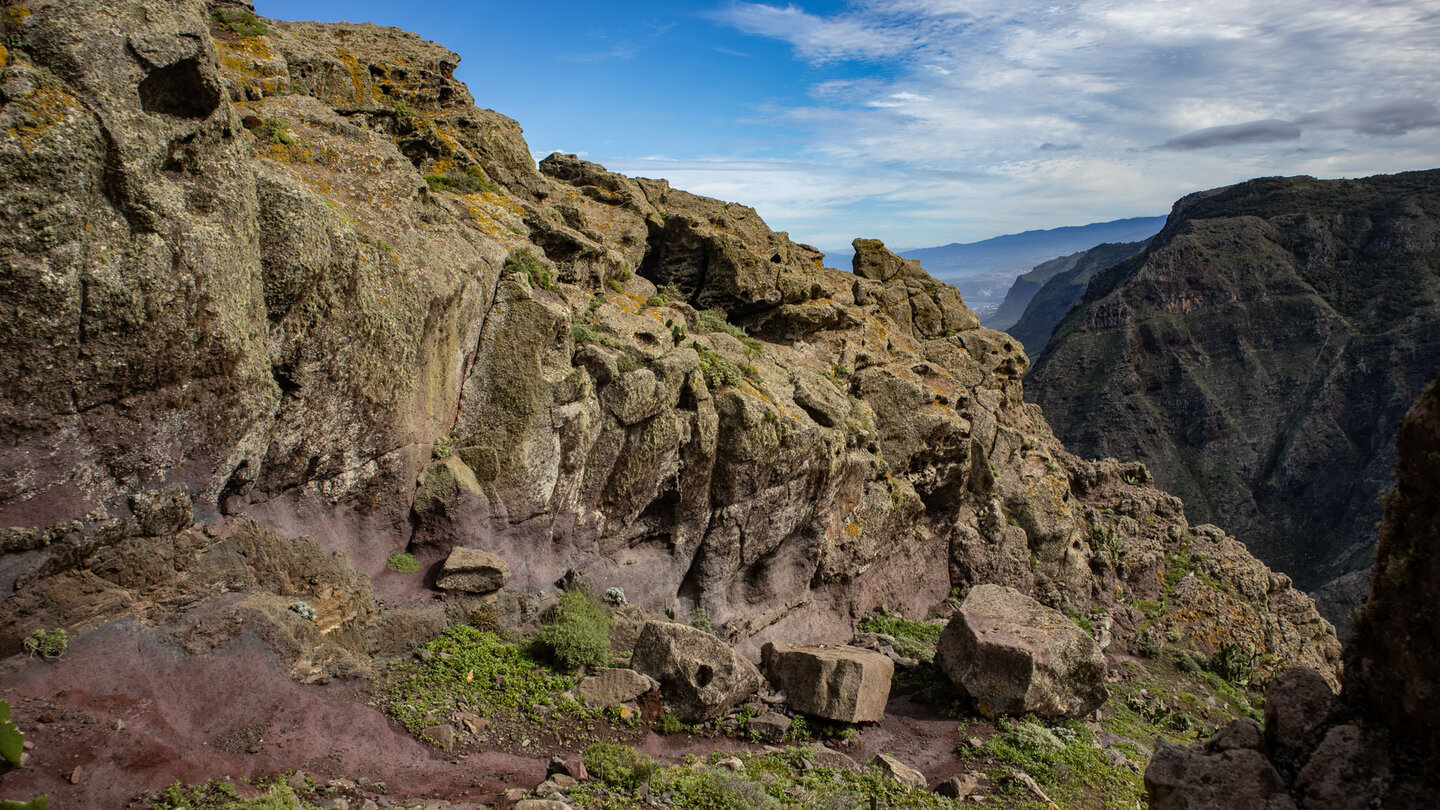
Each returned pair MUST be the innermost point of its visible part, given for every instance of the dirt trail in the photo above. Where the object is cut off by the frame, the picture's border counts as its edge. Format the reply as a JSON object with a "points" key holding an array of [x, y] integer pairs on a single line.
{"points": [[134, 713]]}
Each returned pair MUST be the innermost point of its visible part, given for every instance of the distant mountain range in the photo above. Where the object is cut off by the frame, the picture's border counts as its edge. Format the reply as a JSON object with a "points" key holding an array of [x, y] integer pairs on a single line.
{"points": [[983, 271]]}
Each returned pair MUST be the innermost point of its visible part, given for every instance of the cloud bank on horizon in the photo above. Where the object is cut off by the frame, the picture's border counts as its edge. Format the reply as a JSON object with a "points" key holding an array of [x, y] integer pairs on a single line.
{"points": [[969, 118]]}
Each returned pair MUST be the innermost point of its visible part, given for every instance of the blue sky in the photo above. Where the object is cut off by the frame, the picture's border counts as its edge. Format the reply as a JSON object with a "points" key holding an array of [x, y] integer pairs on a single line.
{"points": [[923, 122]]}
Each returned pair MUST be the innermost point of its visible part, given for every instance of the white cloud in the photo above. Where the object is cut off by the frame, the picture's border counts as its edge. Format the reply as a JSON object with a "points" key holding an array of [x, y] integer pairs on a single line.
{"points": [[966, 95]]}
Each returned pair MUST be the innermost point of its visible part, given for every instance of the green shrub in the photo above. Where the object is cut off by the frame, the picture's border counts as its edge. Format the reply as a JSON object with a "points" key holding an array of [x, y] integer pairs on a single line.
{"points": [[1234, 663], [219, 795], [715, 320], [524, 261], [239, 22], [403, 563], [475, 667], [615, 286], [274, 130], [700, 619], [619, 766], [718, 371], [578, 632], [913, 639], [47, 643], [655, 301], [469, 180], [670, 724], [444, 447]]}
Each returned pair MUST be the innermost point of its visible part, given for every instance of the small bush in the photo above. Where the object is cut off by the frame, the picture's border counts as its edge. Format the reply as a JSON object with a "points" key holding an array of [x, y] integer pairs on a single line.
{"points": [[578, 632], [274, 130], [670, 724], [47, 643], [486, 619], [444, 447], [700, 619], [524, 261], [615, 286], [1234, 663], [715, 320], [718, 371], [469, 180], [615, 595], [403, 563], [619, 766], [239, 22]]}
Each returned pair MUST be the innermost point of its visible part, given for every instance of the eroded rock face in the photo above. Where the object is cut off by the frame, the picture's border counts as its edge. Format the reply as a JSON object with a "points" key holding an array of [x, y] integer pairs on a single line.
{"points": [[1393, 664], [834, 682], [700, 676], [1258, 357], [1012, 655], [285, 321]]}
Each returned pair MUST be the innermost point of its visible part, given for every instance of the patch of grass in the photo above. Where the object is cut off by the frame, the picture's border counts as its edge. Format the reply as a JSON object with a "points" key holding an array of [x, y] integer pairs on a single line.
{"points": [[768, 781], [670, 724], [1081, 620], [47, 643], [403, 563], [912, 639], [479, 669], [578, 632], [619, 766], [1062, 759], [274, 130], [523, 260], [239, 22], [221, 795], [469, 180]]}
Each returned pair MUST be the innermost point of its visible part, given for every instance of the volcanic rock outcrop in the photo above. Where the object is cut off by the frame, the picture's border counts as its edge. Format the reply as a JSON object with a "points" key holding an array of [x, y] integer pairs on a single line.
{"points": [[1376, 743], [291, 272], [1258, 357]]}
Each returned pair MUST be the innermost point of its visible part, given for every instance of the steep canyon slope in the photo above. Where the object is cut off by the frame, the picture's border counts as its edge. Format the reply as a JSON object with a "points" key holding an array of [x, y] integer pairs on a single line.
{"points": [[1258, 357], [283, 279]]}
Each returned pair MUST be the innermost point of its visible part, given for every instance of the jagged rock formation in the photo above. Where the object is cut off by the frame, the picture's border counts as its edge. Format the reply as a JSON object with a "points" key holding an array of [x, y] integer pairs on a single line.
{"points": [[1376, 744], [286, 270], [1258, 357], [1041, 298]]}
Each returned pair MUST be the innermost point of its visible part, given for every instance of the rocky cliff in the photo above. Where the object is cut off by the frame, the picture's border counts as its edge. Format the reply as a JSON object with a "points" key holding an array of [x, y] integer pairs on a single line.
{"points": [[1042, 297], [1375, 745], [267, 279], [1258, 357]]}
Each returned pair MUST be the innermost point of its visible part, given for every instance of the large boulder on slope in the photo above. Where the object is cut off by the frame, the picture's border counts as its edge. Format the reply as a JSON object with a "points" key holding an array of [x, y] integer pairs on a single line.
{"points": [[700, 676], [1230, 770], [838, 682], [1013, 655], [473, 571]]}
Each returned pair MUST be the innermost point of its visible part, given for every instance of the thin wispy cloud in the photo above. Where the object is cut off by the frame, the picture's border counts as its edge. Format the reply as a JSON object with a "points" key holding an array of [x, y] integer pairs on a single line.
{"points": [[1005, 91]]}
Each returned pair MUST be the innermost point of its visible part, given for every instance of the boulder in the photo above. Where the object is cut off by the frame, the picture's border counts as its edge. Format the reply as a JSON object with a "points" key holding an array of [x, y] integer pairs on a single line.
{"points": [[826, 757], [1013, 655], [611, 687], [770, 727], [958, 787], [473, 571], [1299, 708], [1230, 770], [840, 682], [700, 676], [1350, 770], [893, 768]]}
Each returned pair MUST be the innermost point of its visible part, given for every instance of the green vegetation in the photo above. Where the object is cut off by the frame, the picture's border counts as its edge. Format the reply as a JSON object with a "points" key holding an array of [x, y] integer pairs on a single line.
{"points": [[218, 795], [670, 724], [274, 130], [715, 320], [664, 295], [775, 780], [444, 447], [913, 639], [404, 113], [615, 286], [718, 371], [524, 261], [1062, 759], [239, 22], [1234, 663], [12, 749], [578, 632], [403, 563], [47, 643], [700, 619], [476, 668], [469, 180]]}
